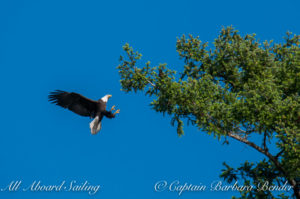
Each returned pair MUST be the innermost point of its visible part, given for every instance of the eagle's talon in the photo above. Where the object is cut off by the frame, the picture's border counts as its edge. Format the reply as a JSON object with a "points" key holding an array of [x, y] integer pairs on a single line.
{"points": [[117, 111], [112, 108]]}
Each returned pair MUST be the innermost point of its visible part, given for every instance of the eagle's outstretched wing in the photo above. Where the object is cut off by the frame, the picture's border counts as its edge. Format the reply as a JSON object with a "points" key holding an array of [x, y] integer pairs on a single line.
{"points": [[74, 102]]}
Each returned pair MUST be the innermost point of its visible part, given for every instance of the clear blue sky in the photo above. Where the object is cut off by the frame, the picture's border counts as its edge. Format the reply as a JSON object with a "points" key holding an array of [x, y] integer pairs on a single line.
{"points": [[75, 46]]}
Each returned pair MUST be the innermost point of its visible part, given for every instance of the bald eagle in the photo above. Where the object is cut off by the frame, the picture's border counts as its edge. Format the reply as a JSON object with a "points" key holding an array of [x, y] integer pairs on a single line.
{"points": [[84, 107]]}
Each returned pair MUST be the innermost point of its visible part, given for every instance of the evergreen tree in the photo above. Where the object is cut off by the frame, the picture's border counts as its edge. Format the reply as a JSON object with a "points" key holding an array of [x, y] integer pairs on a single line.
{"points": [[235, 89]]}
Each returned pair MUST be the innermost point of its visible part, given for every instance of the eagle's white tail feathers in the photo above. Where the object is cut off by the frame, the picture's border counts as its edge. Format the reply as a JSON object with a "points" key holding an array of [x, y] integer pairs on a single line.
{"points": [[99, 127], [95, 125]]}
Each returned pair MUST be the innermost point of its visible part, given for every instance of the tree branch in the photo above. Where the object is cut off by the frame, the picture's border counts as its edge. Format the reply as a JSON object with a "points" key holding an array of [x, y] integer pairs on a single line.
{"points": [[264, 143], [271, 157], [278, 154], [152, 84], [244, 140]]}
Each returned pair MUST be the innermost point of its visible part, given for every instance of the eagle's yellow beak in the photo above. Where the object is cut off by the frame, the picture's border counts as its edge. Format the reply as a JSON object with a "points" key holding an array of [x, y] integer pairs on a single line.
{"points": [[109, 96]]}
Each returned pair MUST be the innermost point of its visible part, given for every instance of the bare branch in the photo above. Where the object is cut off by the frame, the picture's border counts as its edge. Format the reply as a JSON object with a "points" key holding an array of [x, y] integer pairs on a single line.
{"points": [[136, 71], [152, 84], [244, 140]]}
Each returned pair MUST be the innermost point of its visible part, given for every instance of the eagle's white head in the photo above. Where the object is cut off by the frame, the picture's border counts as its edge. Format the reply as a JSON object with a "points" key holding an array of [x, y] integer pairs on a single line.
{"points": [[105, 98]]}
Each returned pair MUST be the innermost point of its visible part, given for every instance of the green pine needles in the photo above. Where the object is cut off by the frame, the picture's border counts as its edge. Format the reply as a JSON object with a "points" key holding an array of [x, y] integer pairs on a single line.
{"points": [[238, 88]]}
